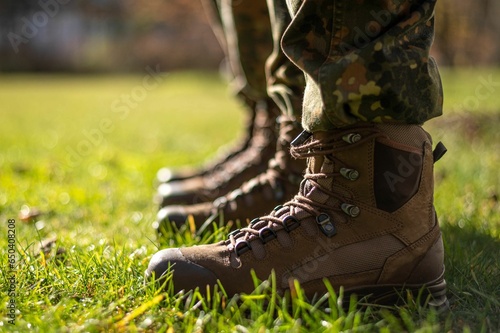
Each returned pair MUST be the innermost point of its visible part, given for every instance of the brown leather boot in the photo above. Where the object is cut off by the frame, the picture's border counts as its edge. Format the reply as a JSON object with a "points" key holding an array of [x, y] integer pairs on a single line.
{"points": [[224, 155], [232, 173], [254, 198], [363, 219]]}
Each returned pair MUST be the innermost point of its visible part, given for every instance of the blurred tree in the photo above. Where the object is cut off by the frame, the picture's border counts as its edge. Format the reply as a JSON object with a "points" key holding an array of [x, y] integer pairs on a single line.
{"points": [[103, 35], [467, 32], [173, 34], [128, 35]]}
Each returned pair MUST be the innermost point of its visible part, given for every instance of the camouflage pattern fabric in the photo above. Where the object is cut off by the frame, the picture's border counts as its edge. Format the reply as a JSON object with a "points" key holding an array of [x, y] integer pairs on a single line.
{"points": [[364, 60], [286, 81], [243, 29], [258, 69]]}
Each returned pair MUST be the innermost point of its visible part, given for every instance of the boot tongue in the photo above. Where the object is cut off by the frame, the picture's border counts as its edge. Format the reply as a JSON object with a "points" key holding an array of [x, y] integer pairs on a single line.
{"points": [[323, 166], [316, 163]]}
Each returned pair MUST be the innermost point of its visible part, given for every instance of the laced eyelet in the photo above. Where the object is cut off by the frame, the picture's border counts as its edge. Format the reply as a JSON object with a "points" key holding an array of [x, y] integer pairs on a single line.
{"points": [[267, 234], [241, 247], [350, 174], [352, 137], [290, 223], [350, 210], [275, 209], [254, 221], [232, 233], [326, 226]]}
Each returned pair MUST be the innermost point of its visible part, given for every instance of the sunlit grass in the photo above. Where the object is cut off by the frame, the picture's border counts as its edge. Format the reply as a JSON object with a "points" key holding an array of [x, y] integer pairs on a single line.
{"points": [[89, 167]]}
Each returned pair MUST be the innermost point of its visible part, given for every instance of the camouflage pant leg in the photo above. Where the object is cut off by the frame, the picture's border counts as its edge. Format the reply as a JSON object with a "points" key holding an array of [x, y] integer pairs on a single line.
{"points": [[211, 8], [285, 80], [364, 60], [244, 31]]}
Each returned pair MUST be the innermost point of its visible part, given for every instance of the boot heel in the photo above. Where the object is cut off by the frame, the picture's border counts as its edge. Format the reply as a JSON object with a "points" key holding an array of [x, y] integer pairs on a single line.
{"points": [[438, 299], [432, 294]]}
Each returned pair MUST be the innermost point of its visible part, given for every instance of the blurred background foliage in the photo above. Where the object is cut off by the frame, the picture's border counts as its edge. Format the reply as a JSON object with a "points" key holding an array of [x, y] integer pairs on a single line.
{"points": [[105, 35], [128, 35]]}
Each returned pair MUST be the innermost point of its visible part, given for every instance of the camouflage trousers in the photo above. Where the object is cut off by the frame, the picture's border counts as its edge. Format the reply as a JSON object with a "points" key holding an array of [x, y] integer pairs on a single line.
{"points": [[336, 62], [249, 33]]}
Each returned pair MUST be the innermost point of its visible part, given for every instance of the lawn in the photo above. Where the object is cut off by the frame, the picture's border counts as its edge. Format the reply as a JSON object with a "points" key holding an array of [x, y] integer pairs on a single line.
{"points": [[78, 157]]}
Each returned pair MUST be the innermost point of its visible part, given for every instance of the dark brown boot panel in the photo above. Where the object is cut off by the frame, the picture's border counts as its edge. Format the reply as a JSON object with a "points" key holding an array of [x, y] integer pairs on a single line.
{"points": [[397, 176]]}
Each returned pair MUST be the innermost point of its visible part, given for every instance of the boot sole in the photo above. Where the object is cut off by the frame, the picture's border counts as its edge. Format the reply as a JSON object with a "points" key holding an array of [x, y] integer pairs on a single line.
{"points": [[432, 294]]}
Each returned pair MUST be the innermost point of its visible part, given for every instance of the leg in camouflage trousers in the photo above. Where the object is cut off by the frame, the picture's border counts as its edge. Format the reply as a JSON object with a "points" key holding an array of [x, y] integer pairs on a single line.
{"points": [[242, 22], [245, 35], [365, 61]]}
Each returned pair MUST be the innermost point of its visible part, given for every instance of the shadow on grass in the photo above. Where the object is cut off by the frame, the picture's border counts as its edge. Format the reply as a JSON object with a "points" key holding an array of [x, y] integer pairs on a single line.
{"points": [[473, 275]]}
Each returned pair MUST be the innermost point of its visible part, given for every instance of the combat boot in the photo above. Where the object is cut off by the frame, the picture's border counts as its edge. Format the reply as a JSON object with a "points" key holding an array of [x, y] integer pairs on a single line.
{"points": [[363, 219], [232, 173], [224, 155], [254, 198]]}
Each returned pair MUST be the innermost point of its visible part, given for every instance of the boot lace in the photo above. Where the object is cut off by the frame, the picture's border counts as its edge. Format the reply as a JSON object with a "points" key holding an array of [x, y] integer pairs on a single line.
{"points": [[250, 157], [275, 177], [282, 217]]}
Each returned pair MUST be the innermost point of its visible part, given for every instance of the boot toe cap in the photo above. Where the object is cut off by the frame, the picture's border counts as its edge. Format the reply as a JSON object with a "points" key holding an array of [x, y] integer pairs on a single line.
{"points": [[173, 214], [165, 175], [171, 189], [186, 275], [181, 192]]}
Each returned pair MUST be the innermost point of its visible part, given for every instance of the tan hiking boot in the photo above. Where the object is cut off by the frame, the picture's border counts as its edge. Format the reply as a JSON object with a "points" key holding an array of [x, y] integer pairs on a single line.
{"points": [[363, 219], [224, 155], [254, 198], [232, 173]]}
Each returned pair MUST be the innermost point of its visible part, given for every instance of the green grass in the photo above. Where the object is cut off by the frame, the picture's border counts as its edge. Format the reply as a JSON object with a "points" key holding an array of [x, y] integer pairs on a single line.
{"points": [[67, 150]]}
